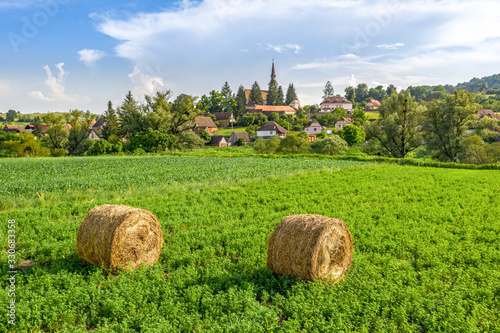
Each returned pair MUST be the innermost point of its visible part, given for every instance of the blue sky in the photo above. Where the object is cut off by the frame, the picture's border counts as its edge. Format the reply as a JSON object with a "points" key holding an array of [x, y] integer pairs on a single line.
{"points": [[58, 55]]}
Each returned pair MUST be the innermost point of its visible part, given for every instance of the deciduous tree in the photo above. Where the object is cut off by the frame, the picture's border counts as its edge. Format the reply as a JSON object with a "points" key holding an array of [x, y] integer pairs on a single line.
{"points": [[398, 129], [447, 122]]}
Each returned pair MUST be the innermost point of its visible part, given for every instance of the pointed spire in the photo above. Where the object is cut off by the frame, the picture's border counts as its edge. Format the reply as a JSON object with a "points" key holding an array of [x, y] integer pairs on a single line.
{"points": [[273, 73]]}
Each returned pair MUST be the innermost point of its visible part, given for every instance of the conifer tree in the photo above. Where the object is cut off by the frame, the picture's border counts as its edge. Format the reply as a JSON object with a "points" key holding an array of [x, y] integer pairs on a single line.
{"points": [[256, 94], [281, 96], [241, 102], [272, 93], [291, 95], [111, 126]]}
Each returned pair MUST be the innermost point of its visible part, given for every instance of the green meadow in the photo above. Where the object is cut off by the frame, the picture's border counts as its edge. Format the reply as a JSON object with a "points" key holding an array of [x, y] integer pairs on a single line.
{"points": [[426, 246]]}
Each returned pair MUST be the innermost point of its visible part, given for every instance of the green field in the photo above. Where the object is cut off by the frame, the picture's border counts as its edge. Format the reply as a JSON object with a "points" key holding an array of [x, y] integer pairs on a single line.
{"points": [[426, 258]]}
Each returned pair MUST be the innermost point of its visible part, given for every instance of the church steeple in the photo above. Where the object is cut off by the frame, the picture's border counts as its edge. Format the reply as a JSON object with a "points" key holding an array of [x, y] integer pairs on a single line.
{"points": [[273, 73]]}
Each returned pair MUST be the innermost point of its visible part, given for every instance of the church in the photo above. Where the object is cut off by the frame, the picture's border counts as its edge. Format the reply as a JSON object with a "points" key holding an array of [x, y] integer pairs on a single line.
{"points": [[267, 109]]}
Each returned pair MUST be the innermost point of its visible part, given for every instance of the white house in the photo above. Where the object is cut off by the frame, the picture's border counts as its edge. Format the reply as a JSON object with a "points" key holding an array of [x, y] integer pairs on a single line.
{"points": [[331, 103], [271, 129], [315, 128]]}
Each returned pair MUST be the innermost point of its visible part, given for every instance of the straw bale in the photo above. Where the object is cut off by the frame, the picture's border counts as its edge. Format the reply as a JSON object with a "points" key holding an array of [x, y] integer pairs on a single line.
{"points": [[119, 236], [310, 247]]}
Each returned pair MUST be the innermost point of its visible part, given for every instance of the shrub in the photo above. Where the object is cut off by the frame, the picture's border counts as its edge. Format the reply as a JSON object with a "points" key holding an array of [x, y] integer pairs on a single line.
{"points": [[153, 141], [294, 143], [352, 134], [333, 145], [58, 152], [190, 140]]}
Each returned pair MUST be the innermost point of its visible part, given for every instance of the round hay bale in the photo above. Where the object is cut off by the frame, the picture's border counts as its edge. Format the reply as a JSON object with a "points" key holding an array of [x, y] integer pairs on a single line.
{"points": [[310, 247], [119, 236]]}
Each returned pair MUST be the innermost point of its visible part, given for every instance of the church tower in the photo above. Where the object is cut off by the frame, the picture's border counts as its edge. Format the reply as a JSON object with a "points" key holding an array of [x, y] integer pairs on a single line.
{"points": [[273, 73]]}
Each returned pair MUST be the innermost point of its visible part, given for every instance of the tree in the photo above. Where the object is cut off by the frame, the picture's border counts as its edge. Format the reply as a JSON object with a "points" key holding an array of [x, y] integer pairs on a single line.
{"points": [[272, 93], [11, 115], [359, 117], [281, 96], [328, 91], [294, 143], [352, 134], [332, 145], [80, 123], [153, 141], [391, 89], [183, 114], [190, 140], [111, 126], [350, 94], [361, 93], [241, 102], [398, 129], [488, 128], [131, 117], [291, 94], [38, 130], [213, 103], [256, 94], [229, 104], [474, 150], [157, 110], [57, 135], [447, 122]]}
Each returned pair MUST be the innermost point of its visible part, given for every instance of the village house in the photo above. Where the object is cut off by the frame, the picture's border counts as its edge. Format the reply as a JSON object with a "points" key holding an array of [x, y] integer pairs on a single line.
{"points": [[271, 129], [268, 109], [331, 103], [14, 128], [98, 125], [314, 128], [343, 122], [233, 139], [204, 123], [372, 105], [224, 118], [218, 140], [487, 113], [93, 134]]}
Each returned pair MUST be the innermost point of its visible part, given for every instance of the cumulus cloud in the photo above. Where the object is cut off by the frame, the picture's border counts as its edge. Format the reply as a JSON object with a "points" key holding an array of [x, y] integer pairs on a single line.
{"points": [[144, 83], [55, 84], [90, 57], [284, 48], [203, 43], [394, 46]]}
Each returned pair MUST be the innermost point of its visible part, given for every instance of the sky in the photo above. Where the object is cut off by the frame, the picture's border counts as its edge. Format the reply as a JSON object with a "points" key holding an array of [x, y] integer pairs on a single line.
{"points": [[59, 55]]}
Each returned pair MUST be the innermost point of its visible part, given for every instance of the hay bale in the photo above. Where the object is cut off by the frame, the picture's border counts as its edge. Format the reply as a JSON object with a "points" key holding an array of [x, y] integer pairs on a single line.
{"points": [[119, 236], [310, 247]]}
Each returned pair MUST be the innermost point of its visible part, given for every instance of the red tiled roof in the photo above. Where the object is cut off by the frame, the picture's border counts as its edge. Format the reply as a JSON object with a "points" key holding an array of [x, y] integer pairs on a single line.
{"points": [[336, 99], [273, 126]]}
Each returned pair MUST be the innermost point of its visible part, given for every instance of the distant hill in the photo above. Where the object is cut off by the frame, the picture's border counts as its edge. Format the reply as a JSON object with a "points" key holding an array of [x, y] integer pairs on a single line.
{"points": [[492, 81]]}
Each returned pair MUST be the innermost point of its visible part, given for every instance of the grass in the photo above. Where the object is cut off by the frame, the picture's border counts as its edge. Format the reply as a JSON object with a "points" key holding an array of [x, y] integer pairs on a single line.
{"points": [[226, 131], [426, 254]]}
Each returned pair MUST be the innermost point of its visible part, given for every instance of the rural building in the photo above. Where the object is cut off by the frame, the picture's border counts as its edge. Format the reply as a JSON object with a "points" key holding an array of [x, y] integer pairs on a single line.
{"points": [[331, 103], [204, 123], [14, 128], [233, 139], [271, 129], [218, 140], [314, 128], [224, 118], [372, 105], [30, 128], [93, 135], [268, 109], [487, 113], [343, 122], [99, 124]]}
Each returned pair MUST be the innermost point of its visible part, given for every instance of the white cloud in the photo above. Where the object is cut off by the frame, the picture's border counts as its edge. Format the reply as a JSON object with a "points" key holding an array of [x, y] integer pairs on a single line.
{"points": [[144, 83], [394, 46], [57, 89], [284, 48], [90, 57]]}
